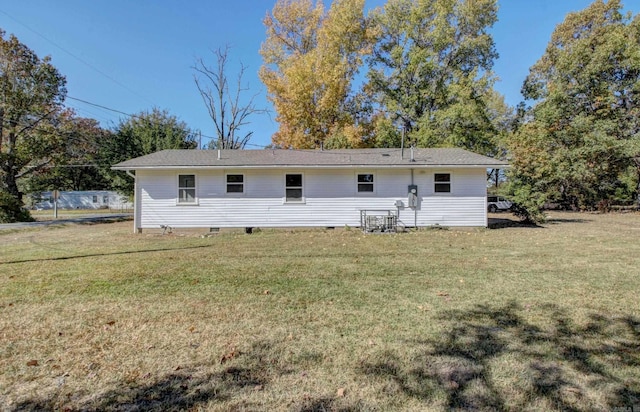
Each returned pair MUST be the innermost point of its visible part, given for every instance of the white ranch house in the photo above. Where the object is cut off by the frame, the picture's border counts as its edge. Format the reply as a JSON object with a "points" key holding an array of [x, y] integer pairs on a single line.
{"points": [[309, 188]]}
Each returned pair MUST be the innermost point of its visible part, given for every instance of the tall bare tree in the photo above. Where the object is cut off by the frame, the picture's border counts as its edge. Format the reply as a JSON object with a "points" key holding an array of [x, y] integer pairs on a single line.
{"points": [[228, 111]]}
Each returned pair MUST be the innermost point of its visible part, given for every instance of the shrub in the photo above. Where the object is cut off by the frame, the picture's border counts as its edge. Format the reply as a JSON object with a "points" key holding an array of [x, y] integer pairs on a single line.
{"points": [[527, 202], [604, 206], [11, 210]]}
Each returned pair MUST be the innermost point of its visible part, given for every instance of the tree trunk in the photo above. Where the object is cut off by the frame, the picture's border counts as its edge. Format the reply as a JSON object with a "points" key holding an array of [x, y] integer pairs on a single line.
{"points": [[10, 181], [638, 188], [1, 129]]}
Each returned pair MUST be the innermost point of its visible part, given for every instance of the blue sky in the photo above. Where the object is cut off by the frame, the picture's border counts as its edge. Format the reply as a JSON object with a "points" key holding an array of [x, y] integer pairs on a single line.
{"points": [[134, 55]]}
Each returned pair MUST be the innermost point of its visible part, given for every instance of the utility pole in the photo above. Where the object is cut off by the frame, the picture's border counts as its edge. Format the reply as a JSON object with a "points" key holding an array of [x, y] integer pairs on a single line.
{"points": [[55, 203]]}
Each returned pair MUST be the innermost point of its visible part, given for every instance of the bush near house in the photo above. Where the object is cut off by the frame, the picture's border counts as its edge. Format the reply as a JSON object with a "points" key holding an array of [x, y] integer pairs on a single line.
{"points": [[11, 210]]}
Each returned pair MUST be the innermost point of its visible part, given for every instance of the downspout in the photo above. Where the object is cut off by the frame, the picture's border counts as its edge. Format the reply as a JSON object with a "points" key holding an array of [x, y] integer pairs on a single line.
{"points": [[136, 198], [415, 208]]}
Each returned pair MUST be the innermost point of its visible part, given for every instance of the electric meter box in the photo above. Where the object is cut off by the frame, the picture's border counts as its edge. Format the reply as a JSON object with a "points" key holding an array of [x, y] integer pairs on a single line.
{"points": [[412, 197]]}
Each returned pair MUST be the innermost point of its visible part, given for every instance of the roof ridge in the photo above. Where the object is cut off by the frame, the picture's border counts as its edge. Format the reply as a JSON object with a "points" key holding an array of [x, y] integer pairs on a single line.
{"points": [[366, 157]]}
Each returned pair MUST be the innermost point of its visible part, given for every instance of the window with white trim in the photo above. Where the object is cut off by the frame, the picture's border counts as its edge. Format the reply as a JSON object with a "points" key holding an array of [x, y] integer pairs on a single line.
{"points": [[365, 182], [442, 182], [293, 187], [235, 183], [186, 188]]}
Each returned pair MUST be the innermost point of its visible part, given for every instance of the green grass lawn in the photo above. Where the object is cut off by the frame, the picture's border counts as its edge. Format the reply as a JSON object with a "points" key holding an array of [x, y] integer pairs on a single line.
{"points": [[93, 317]]}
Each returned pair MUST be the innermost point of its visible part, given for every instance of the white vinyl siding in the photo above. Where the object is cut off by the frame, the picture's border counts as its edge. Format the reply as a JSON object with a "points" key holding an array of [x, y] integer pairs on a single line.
{"points": [[330, 198]]}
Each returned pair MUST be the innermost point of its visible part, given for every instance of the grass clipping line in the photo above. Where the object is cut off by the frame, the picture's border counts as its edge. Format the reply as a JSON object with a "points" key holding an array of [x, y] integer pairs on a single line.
{"points": [[95, 318]]}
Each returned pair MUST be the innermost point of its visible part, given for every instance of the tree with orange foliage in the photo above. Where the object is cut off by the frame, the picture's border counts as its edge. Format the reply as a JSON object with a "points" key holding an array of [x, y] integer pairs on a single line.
{"points": [[310, 59]]}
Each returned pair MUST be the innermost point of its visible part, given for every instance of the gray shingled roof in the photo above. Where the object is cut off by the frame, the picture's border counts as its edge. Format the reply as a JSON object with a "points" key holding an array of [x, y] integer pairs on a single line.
{"points": [[172, 159]]}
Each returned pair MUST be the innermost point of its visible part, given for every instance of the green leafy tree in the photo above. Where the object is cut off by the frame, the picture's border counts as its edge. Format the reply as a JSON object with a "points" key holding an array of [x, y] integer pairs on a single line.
{"points": [[310, 60], [77, 167], [581, 135], [31, 94], [430, 72], [141, 134]]}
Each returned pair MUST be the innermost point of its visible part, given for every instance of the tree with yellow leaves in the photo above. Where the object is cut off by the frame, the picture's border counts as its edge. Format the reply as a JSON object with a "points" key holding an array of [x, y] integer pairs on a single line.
{"points": [[310, 59]]}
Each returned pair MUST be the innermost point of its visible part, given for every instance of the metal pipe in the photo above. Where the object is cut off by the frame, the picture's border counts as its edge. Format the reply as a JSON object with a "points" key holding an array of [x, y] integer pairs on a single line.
{"points": [[415, 208]]}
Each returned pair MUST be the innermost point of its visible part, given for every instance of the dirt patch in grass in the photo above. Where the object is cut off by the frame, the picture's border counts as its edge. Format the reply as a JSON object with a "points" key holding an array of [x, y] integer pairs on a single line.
{"points": [[97, 318]]}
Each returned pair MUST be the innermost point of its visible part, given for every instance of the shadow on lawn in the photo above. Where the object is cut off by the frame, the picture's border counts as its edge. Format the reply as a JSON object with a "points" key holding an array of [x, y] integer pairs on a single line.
{"points": [[488, 358], [504, 223], [191, 388], [564, 367], [512, 221], [558, 220], [177, 391], [183, 389], [88, 255]]}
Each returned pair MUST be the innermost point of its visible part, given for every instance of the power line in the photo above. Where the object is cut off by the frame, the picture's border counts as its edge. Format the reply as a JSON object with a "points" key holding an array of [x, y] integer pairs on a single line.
{"points": [[57, 166], [203, 135], [97, 115], [78, 58], [103, 74], [102, 107], [139, 117]]}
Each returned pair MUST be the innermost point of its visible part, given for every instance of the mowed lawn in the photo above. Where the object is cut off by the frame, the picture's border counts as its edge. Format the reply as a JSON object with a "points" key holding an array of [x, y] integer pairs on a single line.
{"points": [[93, 317]]}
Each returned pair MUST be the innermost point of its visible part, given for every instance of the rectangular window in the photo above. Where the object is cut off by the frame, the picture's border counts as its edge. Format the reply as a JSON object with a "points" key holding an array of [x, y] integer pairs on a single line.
{"points": [[235, 183], [105, 199], [186, 188], [365, 183], [293, 188], [95, 199], [442, 183]]}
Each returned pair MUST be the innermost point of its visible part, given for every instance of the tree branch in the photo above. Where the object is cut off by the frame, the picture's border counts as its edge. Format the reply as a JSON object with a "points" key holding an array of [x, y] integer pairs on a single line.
{"points": [[226, 109]]}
